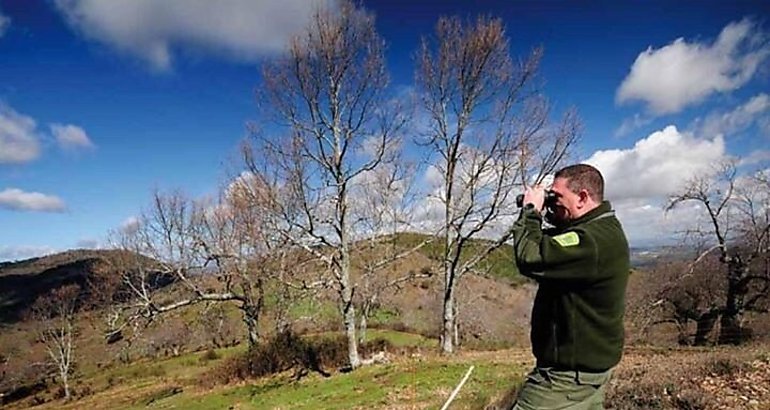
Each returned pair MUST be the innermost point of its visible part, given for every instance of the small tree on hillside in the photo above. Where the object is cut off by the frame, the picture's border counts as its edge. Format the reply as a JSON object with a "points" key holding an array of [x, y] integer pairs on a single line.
{"points": [[215, 252], [55, 314], [384, 209], [738, 212], [219, 330], [489, 135]]}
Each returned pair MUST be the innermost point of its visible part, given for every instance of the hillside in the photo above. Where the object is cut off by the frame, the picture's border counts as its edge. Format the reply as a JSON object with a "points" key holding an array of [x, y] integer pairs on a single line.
{"points": [[174, 361], [22, 282], [414, 307]]}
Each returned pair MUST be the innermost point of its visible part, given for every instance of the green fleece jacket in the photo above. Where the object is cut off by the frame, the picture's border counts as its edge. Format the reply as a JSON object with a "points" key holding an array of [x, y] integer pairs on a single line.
{"points": [[582, 271]]}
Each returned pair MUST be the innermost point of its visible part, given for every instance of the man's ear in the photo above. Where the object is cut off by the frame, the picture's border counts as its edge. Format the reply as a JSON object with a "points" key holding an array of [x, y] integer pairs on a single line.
{"points": [[583, 197]]}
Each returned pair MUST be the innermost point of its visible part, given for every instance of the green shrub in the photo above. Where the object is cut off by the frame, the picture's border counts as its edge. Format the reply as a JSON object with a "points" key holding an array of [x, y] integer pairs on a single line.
{"points": [[283, 352], [210, 355], [376, 345], [288, 351]]}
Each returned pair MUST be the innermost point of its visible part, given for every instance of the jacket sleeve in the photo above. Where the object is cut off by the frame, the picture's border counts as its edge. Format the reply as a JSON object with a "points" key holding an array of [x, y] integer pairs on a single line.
{"points": [[571, 255]]}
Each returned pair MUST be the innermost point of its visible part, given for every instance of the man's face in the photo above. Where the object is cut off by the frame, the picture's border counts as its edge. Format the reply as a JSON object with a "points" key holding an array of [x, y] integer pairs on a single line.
{"points": [[568, 204]]}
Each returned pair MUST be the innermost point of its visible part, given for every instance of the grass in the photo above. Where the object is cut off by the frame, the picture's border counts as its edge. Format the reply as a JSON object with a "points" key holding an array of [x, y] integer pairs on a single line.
{"points": [[419, 380], [412, 383], [647, 378], [383, 315], [321, 311]]}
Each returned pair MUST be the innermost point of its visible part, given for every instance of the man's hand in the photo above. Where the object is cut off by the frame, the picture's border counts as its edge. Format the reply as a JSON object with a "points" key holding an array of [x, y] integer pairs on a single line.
{"points": [[536, 196]]}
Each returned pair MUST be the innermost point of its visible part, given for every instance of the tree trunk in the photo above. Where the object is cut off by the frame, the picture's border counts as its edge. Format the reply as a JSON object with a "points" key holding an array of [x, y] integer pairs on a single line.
{"points": [[730, 324], [730, 331], [346, 286], [705, 324], [682, 337], [448, 328], [456, 330], [362, 328], [349, 317], [251, 318], [282, 321], [65, 383]]}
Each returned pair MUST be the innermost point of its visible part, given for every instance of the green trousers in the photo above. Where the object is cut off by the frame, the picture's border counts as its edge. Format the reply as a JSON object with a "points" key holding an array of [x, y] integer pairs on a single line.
{"points": [[549, 389]]}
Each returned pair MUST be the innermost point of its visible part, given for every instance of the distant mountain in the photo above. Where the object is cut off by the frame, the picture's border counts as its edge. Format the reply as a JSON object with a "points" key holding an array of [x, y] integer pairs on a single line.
{"points": [[643, 256], [22, 282]]}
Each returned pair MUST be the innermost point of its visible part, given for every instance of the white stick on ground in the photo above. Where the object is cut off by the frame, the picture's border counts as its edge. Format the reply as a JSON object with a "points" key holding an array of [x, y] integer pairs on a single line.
{"points": [[457, 389]]}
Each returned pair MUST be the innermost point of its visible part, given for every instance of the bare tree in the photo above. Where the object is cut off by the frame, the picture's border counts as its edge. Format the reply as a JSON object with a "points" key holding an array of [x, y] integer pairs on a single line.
{"points": [[55, 313], [329, 93], [489, 132], [214, 251], [678, 299], [738, 223]]}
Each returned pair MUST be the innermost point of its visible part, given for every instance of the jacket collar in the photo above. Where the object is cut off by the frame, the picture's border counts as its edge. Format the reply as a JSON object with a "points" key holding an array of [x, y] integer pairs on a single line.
{"points": [[603, 208]]}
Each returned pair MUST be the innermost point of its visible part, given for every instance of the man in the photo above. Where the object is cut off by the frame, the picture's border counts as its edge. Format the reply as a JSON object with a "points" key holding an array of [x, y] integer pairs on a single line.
{"points": [[582, 267]]}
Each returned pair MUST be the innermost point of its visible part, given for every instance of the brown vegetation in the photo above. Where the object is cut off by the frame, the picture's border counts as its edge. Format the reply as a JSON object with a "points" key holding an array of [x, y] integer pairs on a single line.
{"points": [[692, 379]]}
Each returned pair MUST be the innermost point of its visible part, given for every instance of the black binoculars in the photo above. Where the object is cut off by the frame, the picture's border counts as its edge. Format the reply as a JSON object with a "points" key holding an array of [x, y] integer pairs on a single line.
{"points": [[550, 199]]}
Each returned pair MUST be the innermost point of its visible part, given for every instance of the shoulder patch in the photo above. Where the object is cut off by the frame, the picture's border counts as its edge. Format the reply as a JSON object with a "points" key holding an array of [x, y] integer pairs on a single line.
{"points": [[567, 239]]}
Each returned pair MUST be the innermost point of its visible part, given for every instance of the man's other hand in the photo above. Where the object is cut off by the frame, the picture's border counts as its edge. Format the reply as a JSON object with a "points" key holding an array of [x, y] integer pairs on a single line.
{"points": [[536, 196]]}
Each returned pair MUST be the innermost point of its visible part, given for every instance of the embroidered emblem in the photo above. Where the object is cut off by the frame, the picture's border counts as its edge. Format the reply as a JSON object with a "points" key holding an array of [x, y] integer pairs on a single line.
{"points": [[567, 239]]}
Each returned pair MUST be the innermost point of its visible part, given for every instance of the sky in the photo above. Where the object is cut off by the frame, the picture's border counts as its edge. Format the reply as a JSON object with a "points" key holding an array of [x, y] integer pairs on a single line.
{"points": [[102, 102]]}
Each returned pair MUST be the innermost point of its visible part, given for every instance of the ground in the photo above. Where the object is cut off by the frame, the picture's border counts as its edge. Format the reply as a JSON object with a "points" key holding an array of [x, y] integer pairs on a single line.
{"points": [[647, 378]]}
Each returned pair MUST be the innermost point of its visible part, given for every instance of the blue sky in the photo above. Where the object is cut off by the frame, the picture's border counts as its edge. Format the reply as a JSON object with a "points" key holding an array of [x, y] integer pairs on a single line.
{"points": [[102, 102]]}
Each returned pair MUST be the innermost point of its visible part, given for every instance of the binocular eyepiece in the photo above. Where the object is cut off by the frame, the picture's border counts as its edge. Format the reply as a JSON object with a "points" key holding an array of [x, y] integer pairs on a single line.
{"points": [[550, 199]]}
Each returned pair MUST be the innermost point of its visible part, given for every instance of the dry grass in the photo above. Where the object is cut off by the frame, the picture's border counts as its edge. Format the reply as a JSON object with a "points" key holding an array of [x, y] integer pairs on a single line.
{"points": [[712, 378]]}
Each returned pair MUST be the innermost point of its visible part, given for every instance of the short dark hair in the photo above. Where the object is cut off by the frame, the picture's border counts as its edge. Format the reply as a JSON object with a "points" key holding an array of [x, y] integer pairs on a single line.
{"points": [[583, 176]]}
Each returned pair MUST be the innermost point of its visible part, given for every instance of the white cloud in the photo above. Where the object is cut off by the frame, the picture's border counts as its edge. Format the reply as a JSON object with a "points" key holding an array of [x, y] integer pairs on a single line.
{"points": [[657, 165], [631, 124], [682, 73], [70, 137], [756, 157], [764, 126], [130, 224], [18, 200], [736, 120], [19, 141], [153, 30], [639, 181], [12, 253], [646, 222], [5, 22]]}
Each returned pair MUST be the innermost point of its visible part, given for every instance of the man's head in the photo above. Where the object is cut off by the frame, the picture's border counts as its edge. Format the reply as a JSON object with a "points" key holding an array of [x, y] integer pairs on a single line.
{"points": [[579, 189]]}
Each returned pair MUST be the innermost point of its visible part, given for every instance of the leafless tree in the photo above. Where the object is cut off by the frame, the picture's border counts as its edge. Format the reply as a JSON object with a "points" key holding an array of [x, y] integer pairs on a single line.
{"points": [[214, 251], [679, 299], [329, 92], [737, 212], [55, 313], [490, 135]]}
